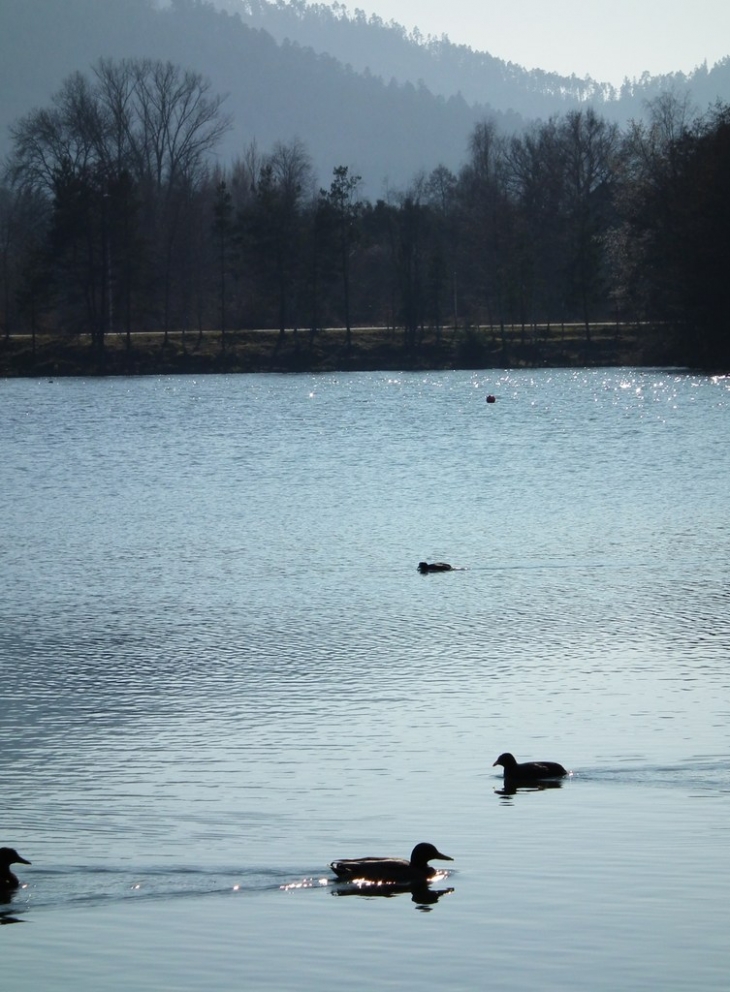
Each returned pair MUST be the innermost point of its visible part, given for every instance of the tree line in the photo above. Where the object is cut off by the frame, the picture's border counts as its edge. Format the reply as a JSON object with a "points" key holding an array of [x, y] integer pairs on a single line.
{"points": [[116, 217]]}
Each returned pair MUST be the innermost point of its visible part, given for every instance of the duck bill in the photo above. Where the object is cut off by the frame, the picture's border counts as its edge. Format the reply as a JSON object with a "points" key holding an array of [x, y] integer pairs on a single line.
{"points": [[443, 857], [22, 861]]}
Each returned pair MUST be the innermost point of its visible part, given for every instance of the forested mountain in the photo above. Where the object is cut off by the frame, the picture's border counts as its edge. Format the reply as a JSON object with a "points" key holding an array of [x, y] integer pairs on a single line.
{"points": [[275, 92], [139, 197], [354, 89], [388, 50]]}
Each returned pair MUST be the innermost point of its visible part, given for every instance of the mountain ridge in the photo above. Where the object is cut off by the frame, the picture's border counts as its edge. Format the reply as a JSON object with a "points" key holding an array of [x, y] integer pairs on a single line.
{"points": [[450, 68], [282, 84]]}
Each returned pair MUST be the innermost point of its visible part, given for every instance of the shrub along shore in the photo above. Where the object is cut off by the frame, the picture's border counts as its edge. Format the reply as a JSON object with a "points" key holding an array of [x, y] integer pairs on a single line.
{"points": [[369, 349]]}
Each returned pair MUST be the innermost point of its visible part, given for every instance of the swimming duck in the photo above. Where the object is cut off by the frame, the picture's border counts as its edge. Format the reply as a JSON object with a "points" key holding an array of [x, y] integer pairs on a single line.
{"points": [[394, 870], [434, 566], [9, 856], [528, 771]]}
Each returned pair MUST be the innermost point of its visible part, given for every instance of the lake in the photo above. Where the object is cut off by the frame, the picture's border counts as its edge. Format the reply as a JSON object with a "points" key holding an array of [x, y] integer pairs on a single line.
{"points": [[222, 670]]}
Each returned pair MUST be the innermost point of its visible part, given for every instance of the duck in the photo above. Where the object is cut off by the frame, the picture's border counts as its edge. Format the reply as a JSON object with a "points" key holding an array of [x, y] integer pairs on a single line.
{"points": [[435, 566], [393, 870], [528, 771], [9, 856]]}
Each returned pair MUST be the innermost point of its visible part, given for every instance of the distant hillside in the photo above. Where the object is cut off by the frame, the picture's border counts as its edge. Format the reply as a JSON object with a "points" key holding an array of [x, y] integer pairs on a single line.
{"points": [[385, 131], [355, 90], [388, 50]]}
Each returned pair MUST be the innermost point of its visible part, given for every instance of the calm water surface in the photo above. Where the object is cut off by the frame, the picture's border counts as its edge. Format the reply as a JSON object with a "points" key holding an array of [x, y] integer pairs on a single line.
{"points": [[221, 670]]}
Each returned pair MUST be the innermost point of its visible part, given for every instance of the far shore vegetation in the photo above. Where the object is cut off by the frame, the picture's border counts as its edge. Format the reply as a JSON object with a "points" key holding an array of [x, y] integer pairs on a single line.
{"points": [[369, 349], [125, 250]]}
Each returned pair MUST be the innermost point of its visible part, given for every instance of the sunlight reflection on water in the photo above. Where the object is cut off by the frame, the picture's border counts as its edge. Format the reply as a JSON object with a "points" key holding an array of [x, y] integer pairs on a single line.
{"points": [[221, 669]]}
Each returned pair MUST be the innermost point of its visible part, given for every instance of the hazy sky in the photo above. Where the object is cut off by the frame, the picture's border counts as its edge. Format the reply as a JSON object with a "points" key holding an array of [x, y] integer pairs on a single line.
{"points": [[606, 40]]}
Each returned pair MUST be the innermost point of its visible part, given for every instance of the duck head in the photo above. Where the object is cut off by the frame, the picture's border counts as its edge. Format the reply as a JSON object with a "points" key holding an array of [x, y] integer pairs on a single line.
{"points": [[423, 853], [506, 760], [9, 856]]}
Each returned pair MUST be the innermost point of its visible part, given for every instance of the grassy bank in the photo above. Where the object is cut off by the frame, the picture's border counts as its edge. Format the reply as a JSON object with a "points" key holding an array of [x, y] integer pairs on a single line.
{"points": [[327, 351]]}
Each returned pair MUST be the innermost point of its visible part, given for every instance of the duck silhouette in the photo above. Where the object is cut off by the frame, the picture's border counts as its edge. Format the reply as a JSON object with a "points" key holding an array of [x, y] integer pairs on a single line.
{"points": [[392, 870], [526, 772], [424, 567], [8, 881]]}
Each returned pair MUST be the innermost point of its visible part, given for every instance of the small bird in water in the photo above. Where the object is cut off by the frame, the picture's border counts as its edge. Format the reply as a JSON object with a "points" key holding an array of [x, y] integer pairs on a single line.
{"points": [[435, 566], [393, 870], [9, 856], [528, 771]]}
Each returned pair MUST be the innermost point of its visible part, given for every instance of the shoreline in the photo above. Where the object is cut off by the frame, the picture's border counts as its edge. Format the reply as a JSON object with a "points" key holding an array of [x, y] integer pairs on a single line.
{"points": [[371, 349]]}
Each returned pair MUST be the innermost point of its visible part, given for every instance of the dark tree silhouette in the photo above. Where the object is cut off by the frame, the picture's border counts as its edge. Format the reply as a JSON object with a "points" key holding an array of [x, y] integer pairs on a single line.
{"points": [[346, 210]]}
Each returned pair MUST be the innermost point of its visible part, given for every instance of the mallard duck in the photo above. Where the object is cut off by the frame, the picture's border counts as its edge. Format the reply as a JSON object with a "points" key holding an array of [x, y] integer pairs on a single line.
{"points": [[528, 771], [9, 856], [394, 870]]}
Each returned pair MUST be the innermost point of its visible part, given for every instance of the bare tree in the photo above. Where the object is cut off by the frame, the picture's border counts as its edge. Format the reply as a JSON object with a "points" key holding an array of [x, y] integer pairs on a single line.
{"points": [[178, 122], [486, 221], [115, 91], [23, 225], [135, 131], [590, 149], [441, 189], [154, 119], [536, 180], [283, 184], [341, 200], [69, 134]]}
